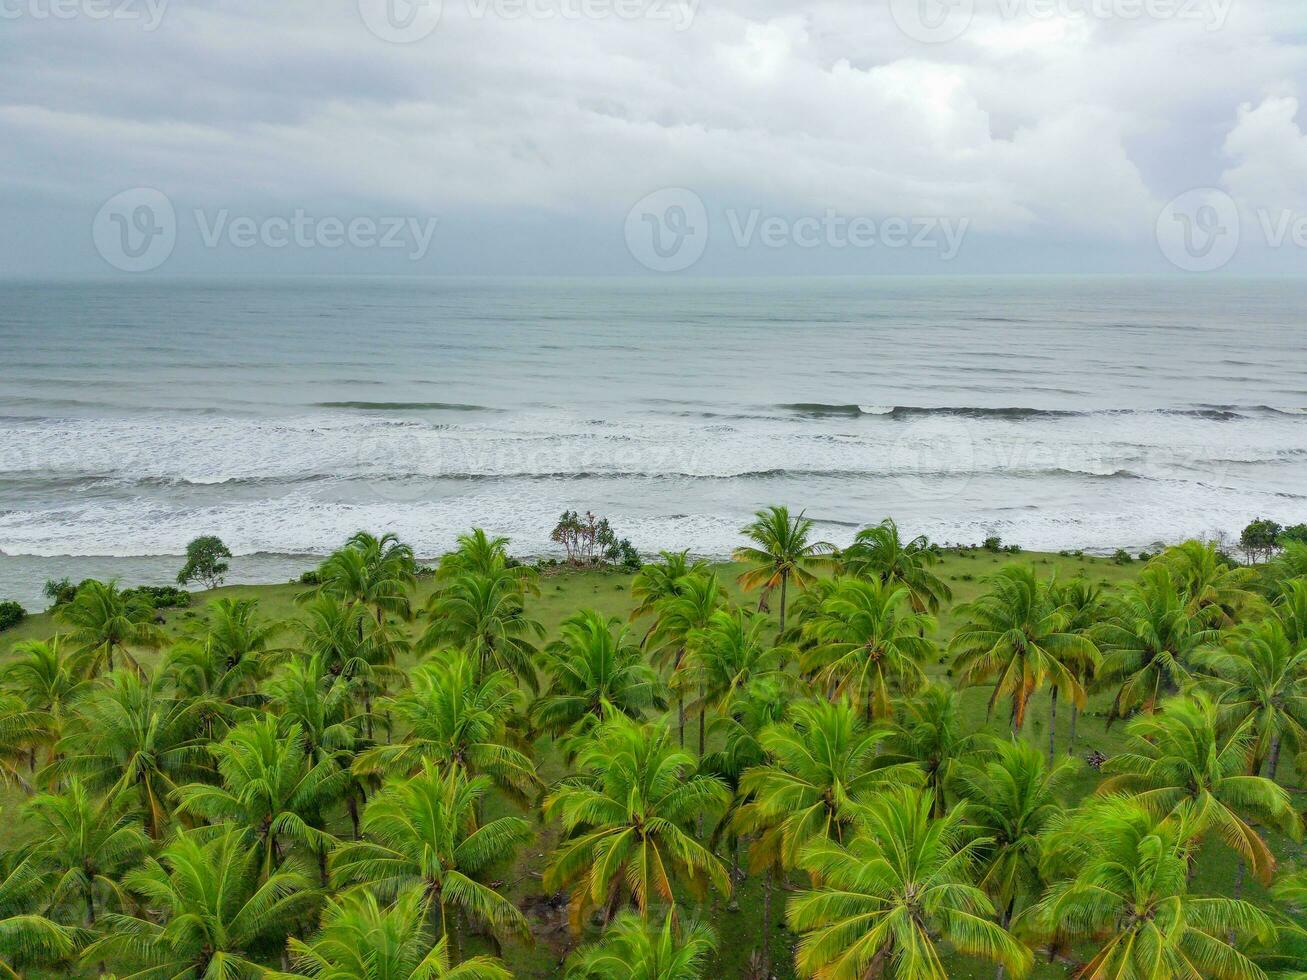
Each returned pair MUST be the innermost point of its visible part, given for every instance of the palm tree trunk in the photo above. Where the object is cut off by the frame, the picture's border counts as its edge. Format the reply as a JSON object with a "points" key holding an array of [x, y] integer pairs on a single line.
{"points": [[1052, 725], [766, 923], [734, 905], [352, 804], [1005, 922], [785, 581], [1075, 716], [1273, 760]]}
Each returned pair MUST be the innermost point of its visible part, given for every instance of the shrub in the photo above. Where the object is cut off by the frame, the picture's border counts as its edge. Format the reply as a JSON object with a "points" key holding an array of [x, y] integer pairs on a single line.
{"points": [[11, 614], [993, 543], [1146, 556], [59, 591], [205, 562], [1013, 549], [159, 596], [311, 577], [1260, 540], [1122, 557]]}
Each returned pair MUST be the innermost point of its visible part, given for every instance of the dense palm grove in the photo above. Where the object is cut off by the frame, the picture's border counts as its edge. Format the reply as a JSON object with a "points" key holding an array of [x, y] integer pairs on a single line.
{"points": [[348, 794]]}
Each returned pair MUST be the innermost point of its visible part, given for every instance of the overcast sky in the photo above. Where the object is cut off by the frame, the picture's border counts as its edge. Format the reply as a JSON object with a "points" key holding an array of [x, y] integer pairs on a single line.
{"points": [[516, 136]]}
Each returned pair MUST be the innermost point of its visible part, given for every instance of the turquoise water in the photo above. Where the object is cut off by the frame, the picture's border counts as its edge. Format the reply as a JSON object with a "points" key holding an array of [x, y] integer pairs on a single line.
{"points": [[283, 415]]}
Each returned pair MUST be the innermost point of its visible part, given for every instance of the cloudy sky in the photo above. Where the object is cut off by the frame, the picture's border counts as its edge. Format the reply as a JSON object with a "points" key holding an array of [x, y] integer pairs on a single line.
{"points": [[517, 136]]}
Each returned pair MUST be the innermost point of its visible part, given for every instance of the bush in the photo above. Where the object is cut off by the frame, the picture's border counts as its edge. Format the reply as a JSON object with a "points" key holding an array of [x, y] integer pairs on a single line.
{"points": [[993, 544], [11, 614], [1260, 540], [1146, 556], [205, 562], [159, 596], [1012, 549], [1122, 557], [311, 577], [59, 591]]}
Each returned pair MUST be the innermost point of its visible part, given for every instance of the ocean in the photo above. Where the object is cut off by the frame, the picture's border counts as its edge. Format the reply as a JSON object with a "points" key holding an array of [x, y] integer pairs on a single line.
{"points": [[283, 415]]}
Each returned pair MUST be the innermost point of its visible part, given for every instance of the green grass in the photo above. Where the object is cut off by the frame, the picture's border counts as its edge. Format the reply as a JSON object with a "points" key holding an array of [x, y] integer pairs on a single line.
{"points": [[564, 593]]}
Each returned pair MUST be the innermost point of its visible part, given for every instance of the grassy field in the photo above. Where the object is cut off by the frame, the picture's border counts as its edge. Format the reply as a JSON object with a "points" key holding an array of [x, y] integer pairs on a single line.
{"points": [[564, 593]]}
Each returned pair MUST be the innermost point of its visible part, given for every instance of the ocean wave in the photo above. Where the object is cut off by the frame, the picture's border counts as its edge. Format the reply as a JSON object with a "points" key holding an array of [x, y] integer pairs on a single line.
{"points": [[406, 406]]}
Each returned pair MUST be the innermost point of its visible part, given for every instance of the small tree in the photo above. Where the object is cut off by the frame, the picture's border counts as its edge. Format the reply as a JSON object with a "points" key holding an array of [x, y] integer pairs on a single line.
{"points": [[590, 540], [59, 591], [1260, 540], [205, 562]]}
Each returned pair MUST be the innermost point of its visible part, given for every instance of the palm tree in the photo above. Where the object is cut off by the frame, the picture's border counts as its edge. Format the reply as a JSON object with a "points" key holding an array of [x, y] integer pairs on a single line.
{"points": [[456, 717], [484, 615], [724, 658], [823, 765], [271, 787], [627, 819], [633, 949], [229, 658], [661, 580], [1214, 590], [1017, 635], [423, 832], [377, 573], [362, 941], [1011, 800], [1126, 893], [1289, 607], [87, 845], [1288, 960], [1086, 608], [479, 554], [781, 553], [21, 731], [1181, 756], [867, 645], [1260, 679], [104, 623], [47, 680], [882, 903], [681, 616], [209, 908], [26, 936], [880, 553], [594, 668], [1150, 641], [931, 737], [129, 736]]}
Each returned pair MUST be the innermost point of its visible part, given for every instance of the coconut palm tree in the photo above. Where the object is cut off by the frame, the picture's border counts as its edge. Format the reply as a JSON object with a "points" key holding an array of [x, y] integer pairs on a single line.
{"points": [[376, 573], [931, 737], [484, 615], [883, 903], [1016, 634], [48, 680], [680, 618], [1125, 894], [457, 717], [103, 622], [782, 552], [1289, 607], [229, 658], [208, 907], [26, 936], [360, 940], [593, 669], [1086, 608], [1215, 590], [1182, 756], [21, 731], [130, 737], [880, 553], [1260, 678], [867, 645], [627, 820], [633, 949], [423, 832], [271, 786], [86, 844], [305, 695], [1288, 959], [1150, 641], [723, 658], [1011, 800], [823, 765], [661, 580], [479, 554]]}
